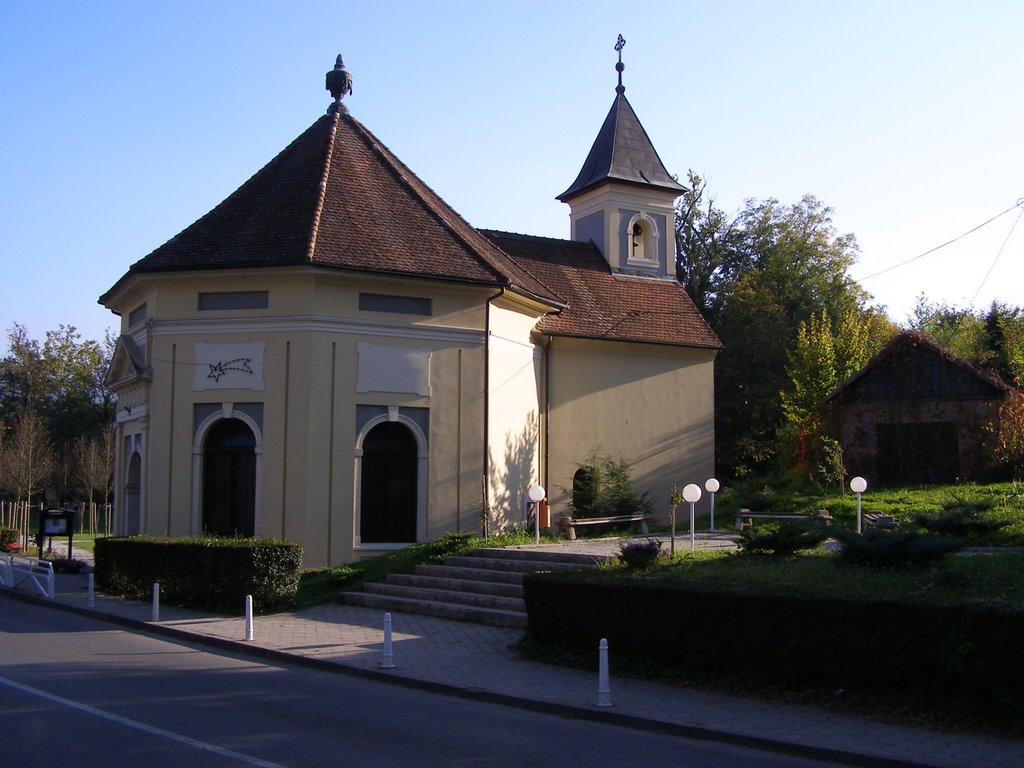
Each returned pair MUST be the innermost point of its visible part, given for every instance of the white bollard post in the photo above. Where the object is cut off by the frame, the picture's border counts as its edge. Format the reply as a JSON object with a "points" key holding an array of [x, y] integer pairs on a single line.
{"points": [[92, 591], [604, 691], [388, 658], [50, 583], [248, 617], [156, 602]]}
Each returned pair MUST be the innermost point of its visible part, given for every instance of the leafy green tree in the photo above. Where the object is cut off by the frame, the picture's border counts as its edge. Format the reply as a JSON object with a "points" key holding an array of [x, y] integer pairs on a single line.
{"points": [[819, 362], [61, 381], [707, 241], [790, 264], [960, 331], [993, 339]]}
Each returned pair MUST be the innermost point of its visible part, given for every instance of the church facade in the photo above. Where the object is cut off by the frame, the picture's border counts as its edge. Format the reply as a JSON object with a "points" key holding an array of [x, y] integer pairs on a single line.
{"points": [[334, 356]]}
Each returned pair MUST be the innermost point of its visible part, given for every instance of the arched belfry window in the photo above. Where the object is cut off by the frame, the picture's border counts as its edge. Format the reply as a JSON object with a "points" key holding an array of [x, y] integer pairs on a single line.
{"points": [[643, 240]]}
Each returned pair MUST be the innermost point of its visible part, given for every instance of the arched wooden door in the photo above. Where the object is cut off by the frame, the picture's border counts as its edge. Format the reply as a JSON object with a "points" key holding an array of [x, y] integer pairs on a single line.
{"points": [[229, 479], [389, 482]]}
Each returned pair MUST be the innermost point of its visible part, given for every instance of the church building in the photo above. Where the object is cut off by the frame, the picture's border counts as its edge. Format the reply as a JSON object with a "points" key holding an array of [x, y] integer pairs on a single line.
{"points": [[334, 356]]}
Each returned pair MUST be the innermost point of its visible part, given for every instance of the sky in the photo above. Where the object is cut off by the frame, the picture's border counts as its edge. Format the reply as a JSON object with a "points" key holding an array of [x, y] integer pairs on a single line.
{"points": [[124, 122]]}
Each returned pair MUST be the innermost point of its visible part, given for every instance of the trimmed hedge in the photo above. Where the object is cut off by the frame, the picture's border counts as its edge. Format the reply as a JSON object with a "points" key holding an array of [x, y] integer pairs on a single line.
{"points": [[965, 652], [208, 573]]}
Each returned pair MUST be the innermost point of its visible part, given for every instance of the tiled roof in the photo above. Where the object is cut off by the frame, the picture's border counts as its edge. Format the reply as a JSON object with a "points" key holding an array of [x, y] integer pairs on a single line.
{"points": [[337, 197], [622, 151], [602, 305]]}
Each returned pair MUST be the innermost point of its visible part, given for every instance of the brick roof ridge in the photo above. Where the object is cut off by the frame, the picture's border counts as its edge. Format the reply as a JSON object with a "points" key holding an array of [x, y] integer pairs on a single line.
{"points": [[314, 229], [504, 267]]}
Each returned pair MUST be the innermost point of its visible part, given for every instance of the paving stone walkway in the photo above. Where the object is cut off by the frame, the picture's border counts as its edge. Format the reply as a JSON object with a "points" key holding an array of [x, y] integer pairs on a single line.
{"points": [[477, 661]]}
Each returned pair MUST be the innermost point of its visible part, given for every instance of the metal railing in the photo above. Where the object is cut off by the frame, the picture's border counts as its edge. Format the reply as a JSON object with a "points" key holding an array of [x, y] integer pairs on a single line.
{"points": [[31, 571]]}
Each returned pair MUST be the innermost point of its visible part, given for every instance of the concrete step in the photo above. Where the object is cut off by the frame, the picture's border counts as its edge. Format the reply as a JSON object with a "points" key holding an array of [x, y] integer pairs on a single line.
{"points": [[470, 573], [578, 559], [459, 597], [478, 615], [507, 564], [466, 585]]}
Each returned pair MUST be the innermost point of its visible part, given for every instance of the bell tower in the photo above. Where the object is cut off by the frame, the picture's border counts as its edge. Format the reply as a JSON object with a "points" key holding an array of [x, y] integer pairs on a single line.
{"points": [[623, 198]]}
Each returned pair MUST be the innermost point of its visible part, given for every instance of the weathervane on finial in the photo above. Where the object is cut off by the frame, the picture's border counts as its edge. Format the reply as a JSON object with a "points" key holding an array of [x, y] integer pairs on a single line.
{"points": [[339, 82], [619, 45]]}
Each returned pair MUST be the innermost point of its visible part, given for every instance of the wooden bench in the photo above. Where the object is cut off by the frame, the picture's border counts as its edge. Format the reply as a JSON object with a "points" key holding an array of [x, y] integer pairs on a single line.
{"points": [[878, 520], [745, 518], [567, 525]]}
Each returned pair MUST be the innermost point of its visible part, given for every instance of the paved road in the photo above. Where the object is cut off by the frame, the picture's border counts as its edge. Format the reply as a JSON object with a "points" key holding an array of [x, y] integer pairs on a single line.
{"points": [[85, 694]]}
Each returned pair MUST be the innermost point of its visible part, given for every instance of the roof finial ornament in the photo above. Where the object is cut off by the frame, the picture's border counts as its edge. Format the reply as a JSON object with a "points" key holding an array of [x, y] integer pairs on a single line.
{"points": [[619, 45], [339, 82]]}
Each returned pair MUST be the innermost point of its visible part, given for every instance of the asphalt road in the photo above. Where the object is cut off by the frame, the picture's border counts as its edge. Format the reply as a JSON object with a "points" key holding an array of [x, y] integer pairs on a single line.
{"points": [[83, 693]]}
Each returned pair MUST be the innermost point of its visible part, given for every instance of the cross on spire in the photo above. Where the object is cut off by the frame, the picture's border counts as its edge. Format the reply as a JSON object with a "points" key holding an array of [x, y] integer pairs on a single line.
{"points": [[619, 45]]}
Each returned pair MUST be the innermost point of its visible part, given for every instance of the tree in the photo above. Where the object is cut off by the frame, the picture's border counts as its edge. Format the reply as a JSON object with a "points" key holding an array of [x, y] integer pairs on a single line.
{"points": [[94, 462], [706, 241], [819, 362], [782, 265], [27, 460], [62, 382], [993, 340]]}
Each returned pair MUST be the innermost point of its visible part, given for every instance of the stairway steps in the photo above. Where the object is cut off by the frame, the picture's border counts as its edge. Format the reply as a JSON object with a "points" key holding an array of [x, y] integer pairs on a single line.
{"points": [[507, 564], [539, 555], [449, 596], [489, 616], [483, 587], [470, 574], [466, 585]]}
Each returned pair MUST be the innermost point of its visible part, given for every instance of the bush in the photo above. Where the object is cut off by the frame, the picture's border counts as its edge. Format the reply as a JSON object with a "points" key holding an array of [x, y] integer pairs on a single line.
{"points": [[8, 540], [207, 573], [787, 539], [639, 555], [602, 487], [884, 549], [962, 520]]}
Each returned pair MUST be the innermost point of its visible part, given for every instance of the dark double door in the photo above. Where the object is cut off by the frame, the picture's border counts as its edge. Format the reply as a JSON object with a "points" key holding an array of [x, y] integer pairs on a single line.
{"points": [[388, 498], [229, 480]]}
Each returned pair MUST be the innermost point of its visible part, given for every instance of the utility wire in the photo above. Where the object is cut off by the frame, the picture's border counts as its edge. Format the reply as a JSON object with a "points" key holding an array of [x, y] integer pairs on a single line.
{"points": [[1018, 204]]}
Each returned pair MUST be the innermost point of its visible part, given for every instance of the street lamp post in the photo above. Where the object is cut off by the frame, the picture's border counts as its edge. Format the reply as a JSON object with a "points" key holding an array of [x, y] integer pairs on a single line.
{"points": [[691, 495], [712, 486], [858, 485], [536, 494]]}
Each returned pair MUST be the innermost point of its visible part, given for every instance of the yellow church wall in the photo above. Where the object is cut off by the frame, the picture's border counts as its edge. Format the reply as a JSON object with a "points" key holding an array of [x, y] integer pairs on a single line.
{"points": [[515, 411], [312, 330], [648, 404]]}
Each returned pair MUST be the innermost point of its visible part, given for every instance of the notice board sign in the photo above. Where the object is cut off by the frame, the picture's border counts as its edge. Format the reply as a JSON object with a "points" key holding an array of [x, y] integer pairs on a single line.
{"points": [[56, 522]]}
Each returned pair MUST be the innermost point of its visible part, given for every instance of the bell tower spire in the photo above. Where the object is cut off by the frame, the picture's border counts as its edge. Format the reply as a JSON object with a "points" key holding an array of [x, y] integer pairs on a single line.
{"points": [[623, 198]]}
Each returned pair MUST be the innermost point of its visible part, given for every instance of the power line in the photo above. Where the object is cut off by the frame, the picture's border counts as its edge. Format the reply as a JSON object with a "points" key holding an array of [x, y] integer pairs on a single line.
{"points": [[1018, 204]]}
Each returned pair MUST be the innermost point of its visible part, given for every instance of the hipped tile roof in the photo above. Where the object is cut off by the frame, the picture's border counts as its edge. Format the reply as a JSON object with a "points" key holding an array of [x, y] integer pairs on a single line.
{"points": [[337, 197], [603, 305]]}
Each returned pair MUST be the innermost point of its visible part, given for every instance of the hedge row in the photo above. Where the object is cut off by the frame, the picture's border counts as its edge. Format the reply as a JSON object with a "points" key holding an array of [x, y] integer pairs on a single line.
{"points": [[209, 573], [967, 652]]}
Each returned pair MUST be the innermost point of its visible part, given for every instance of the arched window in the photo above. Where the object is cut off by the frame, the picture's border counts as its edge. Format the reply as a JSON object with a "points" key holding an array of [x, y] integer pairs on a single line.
{"points": [[643, 240], [229, 479], [389, 484]]}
